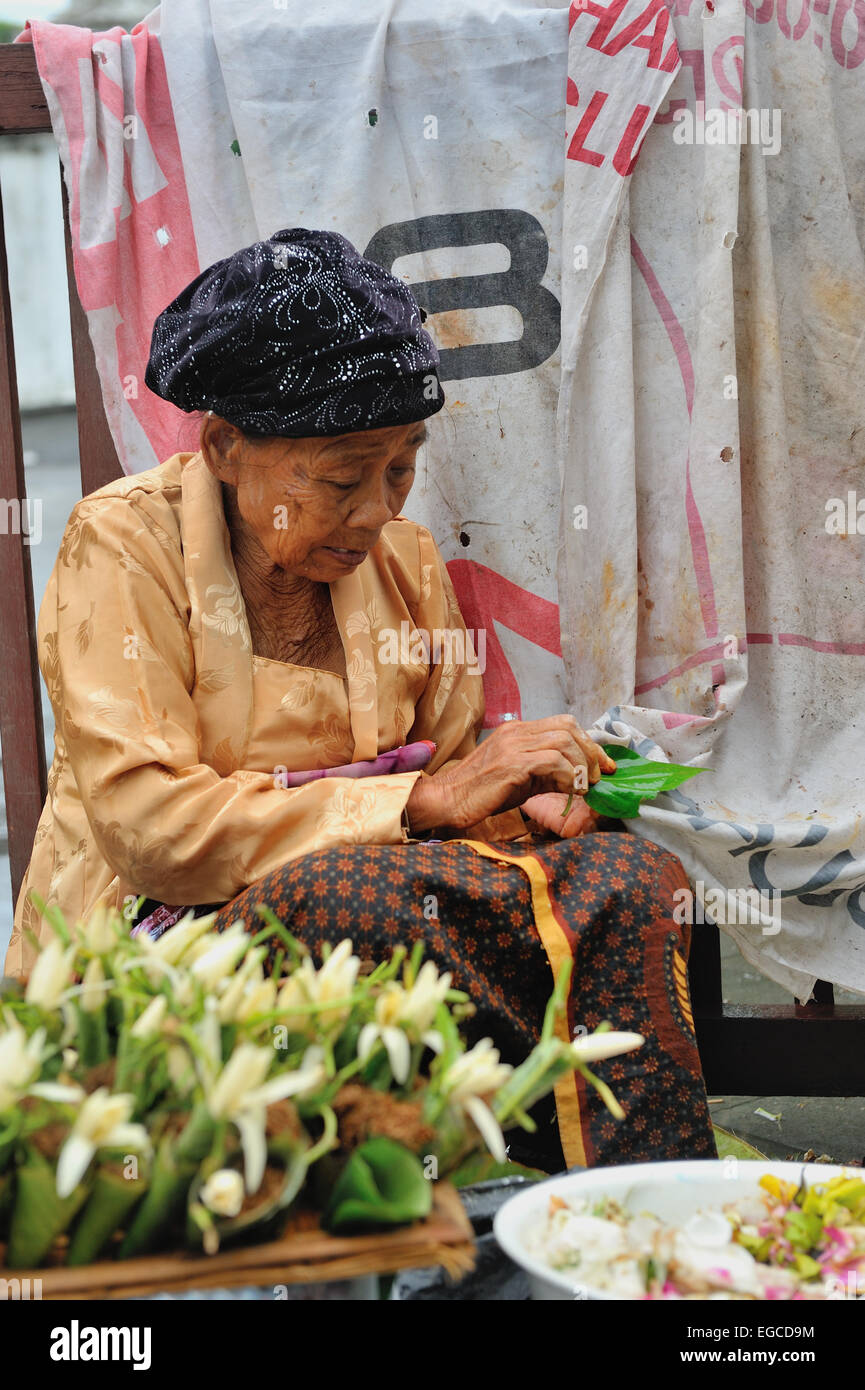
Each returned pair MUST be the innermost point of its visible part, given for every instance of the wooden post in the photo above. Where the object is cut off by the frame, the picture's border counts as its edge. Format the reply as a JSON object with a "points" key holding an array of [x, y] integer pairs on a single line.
{"points": [[99, 463], [21, 729]]}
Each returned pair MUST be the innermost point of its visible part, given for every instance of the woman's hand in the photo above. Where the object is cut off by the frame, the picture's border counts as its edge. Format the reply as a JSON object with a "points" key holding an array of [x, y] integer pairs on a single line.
{"points": [[518, 761], [547, 811]]}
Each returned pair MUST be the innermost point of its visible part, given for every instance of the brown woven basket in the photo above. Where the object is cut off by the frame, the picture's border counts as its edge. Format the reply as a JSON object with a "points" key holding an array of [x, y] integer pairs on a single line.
{"points": [[305, 1254]]}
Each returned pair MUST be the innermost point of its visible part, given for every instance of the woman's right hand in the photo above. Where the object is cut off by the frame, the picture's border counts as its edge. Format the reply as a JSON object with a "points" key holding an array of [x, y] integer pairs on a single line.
{"points": [[517, 761]]}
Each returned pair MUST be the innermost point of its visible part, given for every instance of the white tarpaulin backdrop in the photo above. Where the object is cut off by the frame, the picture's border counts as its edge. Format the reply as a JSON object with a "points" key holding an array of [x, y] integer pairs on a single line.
{"points": [[706, 585], [652, 377]]}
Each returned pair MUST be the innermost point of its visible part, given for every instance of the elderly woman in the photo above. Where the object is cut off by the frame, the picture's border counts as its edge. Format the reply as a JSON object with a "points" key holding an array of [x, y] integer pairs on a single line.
{"points": [[219, 628]]}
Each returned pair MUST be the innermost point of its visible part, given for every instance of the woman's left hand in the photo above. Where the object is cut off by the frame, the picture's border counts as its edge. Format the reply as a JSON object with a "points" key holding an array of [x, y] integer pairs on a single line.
{"points": [[546, 810]]}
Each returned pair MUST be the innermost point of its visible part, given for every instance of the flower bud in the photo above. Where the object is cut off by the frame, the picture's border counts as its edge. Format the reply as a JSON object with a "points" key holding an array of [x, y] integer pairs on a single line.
{"points": [[223, 1192], [93, 987]]}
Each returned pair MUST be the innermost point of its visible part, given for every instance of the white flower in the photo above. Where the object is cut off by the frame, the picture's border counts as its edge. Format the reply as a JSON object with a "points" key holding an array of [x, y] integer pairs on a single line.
{"points": [[311, 1075], [180, 1069], [242, 1095], [223, 1192], [423, 998], [50, 975], [102, 1122], [475, 1074], [56, 1091], [396, 1044], [174, 942], [218, 958], [247, 992], [597, 1046], [241, 1084], [399, 1011], [98, 934], [20, 1062], [334, 981], [150, 1021], [92, 996], [259, 997], [242, 1074]]}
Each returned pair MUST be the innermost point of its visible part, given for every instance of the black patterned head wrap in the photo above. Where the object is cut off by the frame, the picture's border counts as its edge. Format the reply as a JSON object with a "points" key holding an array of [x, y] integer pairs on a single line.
{"points": [[299, 335]]}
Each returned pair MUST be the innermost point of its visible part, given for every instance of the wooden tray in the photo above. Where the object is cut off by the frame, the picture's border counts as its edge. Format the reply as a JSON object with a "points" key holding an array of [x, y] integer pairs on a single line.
{"points": [[305, 1254]]}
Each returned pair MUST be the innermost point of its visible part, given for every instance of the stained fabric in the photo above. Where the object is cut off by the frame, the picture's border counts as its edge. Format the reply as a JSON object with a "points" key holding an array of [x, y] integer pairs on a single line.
{"points": [[605, 900]]}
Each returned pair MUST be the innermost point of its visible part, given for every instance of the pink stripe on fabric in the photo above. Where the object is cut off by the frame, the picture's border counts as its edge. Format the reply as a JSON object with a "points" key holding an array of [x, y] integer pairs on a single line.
{"points": [[698, 659], [792, 639], [700, 556], [485, 598], [110, 93], [785, 639], [696, 531], [675, 721], [675, 331], [151, 254]]}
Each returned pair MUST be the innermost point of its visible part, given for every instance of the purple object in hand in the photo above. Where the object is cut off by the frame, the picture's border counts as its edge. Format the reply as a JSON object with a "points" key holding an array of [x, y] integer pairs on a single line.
{"points": [[410, 758]]}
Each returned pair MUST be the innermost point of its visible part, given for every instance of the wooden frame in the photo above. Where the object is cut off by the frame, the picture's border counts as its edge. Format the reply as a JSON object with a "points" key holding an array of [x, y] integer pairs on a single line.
{"points": [[23, 111], [818, 1049], [815, 1049]]}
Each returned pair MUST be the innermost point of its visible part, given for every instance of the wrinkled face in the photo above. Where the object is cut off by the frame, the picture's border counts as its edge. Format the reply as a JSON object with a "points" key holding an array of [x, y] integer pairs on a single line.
{"points": [[316, 506]]}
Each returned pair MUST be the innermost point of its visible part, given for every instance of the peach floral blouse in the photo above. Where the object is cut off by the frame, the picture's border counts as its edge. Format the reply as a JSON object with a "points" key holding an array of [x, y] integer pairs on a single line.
{"points": [[170, 734]]}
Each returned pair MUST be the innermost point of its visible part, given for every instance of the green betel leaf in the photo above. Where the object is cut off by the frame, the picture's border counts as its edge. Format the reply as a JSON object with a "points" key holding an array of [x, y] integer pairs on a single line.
{"points": [[482, 1167], [636, 779], [39, 1215], [383, 1184], [108, 1206]]}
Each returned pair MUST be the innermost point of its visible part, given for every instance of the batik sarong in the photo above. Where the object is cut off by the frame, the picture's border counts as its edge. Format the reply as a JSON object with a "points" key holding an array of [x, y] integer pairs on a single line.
{"points": [[502, 918]]}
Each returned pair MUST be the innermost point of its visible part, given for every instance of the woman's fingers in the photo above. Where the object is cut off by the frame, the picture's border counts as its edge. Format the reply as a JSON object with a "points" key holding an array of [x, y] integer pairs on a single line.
{"points": [[564, 743], [549, 769], [580, 820], [605, 762], [595, 754], [519, 760], [541, 755], [569, 740], [565, 726]]}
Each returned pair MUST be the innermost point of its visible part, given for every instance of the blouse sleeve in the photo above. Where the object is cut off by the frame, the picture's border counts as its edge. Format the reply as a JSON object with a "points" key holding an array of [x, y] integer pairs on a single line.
{"points": [[120, 662]]}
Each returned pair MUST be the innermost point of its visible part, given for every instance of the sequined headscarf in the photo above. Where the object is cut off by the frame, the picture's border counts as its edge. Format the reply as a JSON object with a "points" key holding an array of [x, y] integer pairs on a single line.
{"points": [[298, 335]]}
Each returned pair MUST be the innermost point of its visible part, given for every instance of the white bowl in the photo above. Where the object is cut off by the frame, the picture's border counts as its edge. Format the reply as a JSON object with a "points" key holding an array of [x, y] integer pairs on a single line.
{"points": [[673, 1191]]}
